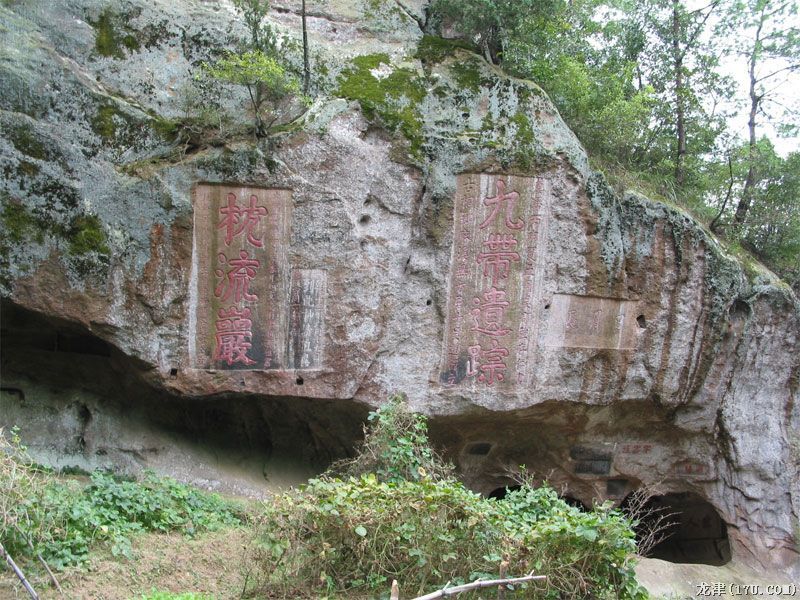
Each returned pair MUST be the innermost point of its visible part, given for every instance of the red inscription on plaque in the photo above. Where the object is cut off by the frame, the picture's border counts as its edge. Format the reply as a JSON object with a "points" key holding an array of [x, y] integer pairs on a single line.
{"points": [[637, 448], [242, 277], [238, 220], [233, 336], [488, 291], [235, 279], [504, 201]]}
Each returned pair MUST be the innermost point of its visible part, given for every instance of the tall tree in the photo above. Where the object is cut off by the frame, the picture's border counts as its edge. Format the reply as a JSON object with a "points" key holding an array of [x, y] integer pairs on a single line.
{"points": [[306, 66], [682, 67], [771, 47], [687, 28]]}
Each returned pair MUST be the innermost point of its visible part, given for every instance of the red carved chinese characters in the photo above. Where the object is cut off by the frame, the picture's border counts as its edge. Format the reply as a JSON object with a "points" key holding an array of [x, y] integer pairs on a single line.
{"points": [[487, 360], [235, 282], [233, 326], [502, 200], [489, 314], [498, 258], [236, 220], [234, 332]]}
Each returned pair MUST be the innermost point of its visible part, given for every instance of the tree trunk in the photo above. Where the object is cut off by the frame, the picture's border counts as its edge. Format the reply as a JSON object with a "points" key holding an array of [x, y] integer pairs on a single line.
{"points": [[306, 67], [755, 99], [680, 111]]}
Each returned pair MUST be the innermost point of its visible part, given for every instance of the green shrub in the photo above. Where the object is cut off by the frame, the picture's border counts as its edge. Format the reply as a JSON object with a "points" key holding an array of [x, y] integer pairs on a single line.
{"points": [[407, 522], [358, 534], [395, 447], [582, 553], [336, 536], [61, 519], [20, 480]]}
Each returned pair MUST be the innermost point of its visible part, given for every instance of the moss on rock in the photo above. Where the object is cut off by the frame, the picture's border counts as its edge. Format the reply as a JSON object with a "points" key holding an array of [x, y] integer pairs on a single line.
{"points": [[86, 236], [392, 95], [109, 40], [26, 141], [18, 223]]}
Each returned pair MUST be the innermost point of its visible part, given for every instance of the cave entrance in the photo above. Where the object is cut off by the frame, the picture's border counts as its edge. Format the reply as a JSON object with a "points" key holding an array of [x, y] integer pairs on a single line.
{"points": [[691, 530], [501, 492], [100, 412]]}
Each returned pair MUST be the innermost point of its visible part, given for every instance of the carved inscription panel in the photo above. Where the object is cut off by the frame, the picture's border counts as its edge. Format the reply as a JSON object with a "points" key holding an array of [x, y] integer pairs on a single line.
{"points": [[500, 235], [241, 235], [591, 322], [306, 312]]}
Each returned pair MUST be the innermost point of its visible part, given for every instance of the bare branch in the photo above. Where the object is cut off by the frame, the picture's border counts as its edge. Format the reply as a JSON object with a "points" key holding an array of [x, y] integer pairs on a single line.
{"points": [[790, 68], [475, 585]]}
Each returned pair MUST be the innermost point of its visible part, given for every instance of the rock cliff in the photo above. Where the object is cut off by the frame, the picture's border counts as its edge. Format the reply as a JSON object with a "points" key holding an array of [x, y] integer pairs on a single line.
{"points": [[428, 225]]}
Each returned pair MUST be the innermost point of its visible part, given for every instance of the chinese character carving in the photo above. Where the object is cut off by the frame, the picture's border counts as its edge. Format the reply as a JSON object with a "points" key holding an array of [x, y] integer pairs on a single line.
{"points": [[493, 365], [236, 220], [489, 314], [236, 282], [234, 332], [505, 201], [499, 256]]}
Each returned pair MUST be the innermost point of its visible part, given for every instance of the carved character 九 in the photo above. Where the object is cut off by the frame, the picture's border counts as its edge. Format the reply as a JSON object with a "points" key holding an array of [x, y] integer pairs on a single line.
{"points": [[502, 201]]}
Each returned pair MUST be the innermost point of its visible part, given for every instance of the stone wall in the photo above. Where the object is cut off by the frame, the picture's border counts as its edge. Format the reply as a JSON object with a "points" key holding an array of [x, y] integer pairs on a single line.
{"points": [[428, 226]]}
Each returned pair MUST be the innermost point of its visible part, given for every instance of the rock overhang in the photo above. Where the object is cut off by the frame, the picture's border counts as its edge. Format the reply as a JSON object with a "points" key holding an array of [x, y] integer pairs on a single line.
{"points": [[619, 305]]}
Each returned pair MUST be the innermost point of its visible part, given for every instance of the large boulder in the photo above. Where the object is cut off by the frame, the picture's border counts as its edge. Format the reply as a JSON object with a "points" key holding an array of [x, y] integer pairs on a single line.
{"points": [[428, 225]]}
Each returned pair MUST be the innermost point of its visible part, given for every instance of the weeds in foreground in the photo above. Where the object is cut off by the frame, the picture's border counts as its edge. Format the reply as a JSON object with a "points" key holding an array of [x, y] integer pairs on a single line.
{"points": [[354, 535], [61, 520]]}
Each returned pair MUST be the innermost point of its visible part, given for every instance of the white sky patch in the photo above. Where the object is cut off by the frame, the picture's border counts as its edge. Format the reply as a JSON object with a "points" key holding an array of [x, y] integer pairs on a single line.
{"points": [[784, 89]]}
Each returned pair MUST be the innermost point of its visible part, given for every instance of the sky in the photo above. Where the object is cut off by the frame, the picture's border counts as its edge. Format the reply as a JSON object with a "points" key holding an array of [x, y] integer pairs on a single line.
{"points": [[785, 90]]}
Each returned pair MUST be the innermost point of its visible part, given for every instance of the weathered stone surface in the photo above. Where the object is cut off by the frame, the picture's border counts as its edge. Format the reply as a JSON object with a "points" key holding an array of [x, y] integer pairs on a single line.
{"points": [[638, 351]]}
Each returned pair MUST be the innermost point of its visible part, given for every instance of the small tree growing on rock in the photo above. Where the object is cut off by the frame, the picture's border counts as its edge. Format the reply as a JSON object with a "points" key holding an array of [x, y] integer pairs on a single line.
{"points": [[257, 67]]}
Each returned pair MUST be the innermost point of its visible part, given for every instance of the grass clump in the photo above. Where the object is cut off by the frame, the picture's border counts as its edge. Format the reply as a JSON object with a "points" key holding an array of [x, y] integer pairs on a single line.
{"points": [[62, 519], [410, 520], [156, 595]]}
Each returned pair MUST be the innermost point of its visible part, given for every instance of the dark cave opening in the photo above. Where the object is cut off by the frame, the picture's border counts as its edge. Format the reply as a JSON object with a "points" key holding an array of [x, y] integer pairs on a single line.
{"points": [[680, 527], [81, 402], [501, 492]]}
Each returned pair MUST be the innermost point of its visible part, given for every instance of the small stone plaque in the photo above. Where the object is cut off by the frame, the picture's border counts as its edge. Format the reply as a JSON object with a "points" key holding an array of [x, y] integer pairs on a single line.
{"points": [[593, 467], [587, 453], [306, 312], [591, 322], [241, 277], [496, 271]]}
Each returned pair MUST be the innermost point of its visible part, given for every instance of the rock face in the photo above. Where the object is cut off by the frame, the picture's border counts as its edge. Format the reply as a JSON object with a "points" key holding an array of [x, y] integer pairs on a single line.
{"points": [[428, 226]]}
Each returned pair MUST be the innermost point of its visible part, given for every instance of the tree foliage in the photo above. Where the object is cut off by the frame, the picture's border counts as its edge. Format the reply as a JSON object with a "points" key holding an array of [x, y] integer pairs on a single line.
{"points": [[258, 67], [641, 84], [266, 81]]}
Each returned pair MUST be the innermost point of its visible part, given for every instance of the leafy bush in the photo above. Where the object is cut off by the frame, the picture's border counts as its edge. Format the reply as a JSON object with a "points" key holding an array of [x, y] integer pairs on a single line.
{"points": [[582, 553], [356, 534], [20, 480], [61, 519], [360, 533], [395, 447]]}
